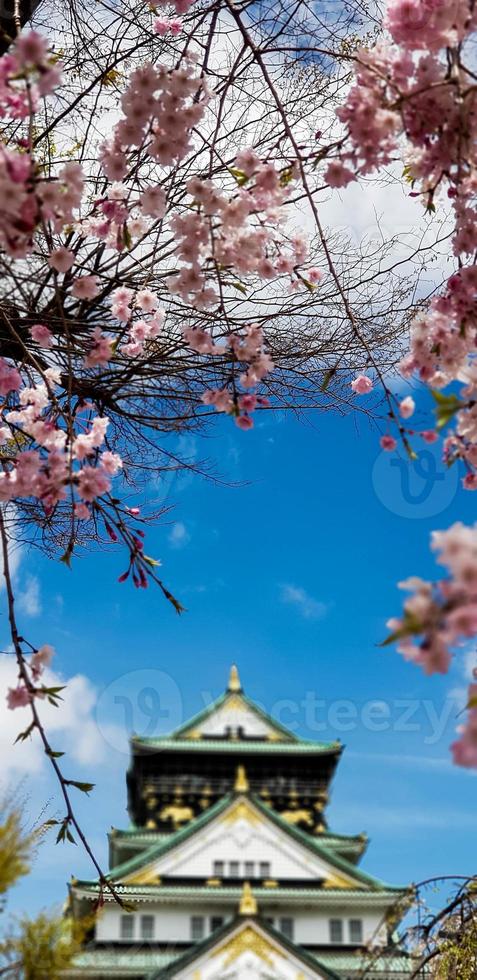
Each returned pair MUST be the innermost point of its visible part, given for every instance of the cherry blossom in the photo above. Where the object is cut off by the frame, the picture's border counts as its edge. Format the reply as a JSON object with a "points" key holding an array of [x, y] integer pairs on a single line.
{"points": [[362, 385]]}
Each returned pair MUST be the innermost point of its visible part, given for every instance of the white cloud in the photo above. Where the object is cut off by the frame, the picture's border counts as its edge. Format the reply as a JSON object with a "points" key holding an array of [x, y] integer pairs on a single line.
{"points": [[71, 727], [307, 606], [28, 600], [179, 535]]}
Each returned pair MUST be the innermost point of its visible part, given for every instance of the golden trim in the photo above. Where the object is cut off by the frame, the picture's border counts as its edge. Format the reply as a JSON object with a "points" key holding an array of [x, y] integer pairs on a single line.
{"points": [[248, 902], [214, 882], [246, 940], [242, 809], [336, 881], [241, 781], [270, 883]]}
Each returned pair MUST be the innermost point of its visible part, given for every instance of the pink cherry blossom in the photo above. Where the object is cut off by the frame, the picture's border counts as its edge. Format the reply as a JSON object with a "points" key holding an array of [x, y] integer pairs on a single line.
{"points": [[85, 287], [429, 435], [41, 335], [244, 422], [92, 482], [42, 658], [18, 697], [10, 379], [407, 407], [61, 259], [362, 385], [388, 443], [147, 300]]}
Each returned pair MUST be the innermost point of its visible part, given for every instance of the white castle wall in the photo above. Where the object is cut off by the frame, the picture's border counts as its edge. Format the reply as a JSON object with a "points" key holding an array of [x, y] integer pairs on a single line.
{"points": [[172, 924]]}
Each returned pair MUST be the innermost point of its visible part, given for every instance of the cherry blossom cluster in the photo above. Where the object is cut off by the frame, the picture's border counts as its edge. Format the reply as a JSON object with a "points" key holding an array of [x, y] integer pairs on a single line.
{"points": [[442, 615], [126, 306], [28, 61], [418, 91], [23, 693], [239, 232], [159, 114], [246, 349], [58, 464], [26, 198]]}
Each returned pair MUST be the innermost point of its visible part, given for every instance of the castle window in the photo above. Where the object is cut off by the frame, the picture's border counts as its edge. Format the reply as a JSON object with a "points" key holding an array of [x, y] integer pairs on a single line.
{"points": [[265, 869], [126, 927], [250, 869], [355, 931], [286, 927], [216, 922], [336, 931], [197, 927], [147, 927], [234, 869], [219, 868]]}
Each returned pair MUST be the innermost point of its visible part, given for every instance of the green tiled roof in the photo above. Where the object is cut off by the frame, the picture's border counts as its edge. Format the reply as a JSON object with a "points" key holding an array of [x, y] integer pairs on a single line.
{"points": [[245, 746], [121, 960], [369, 966], [117, 963], [194, 826], [229, 893]]}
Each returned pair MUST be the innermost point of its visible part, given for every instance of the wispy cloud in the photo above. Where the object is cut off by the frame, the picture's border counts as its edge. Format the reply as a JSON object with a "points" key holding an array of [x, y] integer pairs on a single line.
{"points": [[28, 599], [179, 535], [304, 603]]}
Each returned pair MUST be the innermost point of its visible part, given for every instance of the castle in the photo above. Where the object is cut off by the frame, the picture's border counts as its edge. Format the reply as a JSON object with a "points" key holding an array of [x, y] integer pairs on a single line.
{"points": [[229, 870]]}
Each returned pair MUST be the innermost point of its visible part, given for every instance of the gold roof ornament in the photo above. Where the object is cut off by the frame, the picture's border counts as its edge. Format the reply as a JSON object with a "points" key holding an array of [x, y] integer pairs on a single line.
{"points": [[234, 680], [241, 781], [248, 902]]}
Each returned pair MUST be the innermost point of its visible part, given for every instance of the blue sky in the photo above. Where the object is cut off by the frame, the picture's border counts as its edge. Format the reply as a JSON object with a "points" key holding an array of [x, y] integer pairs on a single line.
{"points": [[291, 574]]}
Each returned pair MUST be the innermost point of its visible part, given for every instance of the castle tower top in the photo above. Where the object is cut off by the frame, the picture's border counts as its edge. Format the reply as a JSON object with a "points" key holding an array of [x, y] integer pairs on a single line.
{"points": [[234, 684]]}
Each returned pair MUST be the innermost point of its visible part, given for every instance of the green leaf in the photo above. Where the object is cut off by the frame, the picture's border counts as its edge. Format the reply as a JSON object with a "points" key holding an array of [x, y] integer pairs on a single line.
{"points": [[239, 175], [61, 836], [24, 735], [240, 286], [127, 237], [286, 177], [410, 627], [66, 558], [446, 407], [111, 77], [328, 375], [153, 562], [83, 787]]}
